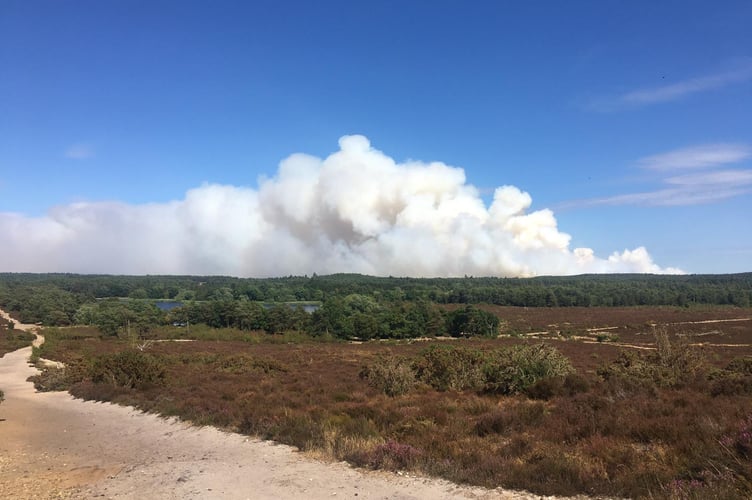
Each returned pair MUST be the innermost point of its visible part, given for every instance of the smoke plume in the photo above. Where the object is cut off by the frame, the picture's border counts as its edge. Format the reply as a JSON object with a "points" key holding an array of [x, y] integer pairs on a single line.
{"points": [[355, 211]]}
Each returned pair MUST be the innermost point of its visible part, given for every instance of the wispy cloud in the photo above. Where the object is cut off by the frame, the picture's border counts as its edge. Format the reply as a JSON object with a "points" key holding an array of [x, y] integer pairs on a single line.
{"points": [[699, 187], [691, 86], [80, 152], [681, 194], [717, 178], [697, 157], [742, 72]]}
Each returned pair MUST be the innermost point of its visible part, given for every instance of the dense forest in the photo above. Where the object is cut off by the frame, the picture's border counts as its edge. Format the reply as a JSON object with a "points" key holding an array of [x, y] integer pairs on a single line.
{"points": [[348, 305]]}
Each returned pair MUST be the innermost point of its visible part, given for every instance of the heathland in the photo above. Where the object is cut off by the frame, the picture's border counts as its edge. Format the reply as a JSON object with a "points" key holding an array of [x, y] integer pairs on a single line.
{"points": [[629, 386]]}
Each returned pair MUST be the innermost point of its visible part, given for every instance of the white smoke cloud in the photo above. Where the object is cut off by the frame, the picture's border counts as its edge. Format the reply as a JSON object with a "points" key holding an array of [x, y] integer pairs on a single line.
{"points": [[356, 211]]}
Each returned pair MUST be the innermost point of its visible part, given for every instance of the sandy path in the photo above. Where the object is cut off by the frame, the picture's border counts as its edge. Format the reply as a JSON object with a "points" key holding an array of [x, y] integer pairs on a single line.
{"points": [[54, 446]]}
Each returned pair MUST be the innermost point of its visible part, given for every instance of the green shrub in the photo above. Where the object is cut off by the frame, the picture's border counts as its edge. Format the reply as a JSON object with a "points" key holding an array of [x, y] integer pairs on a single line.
{"points": [[392, 376], [742, 366], [36, 353], [451, 368], [129, 369], [735, 379], [505, 371], [12, 340], [54, 378], [547, 388], [607, 337], [670, 365], [679, 359], [731, 385], [513, 370], [470, 321]]}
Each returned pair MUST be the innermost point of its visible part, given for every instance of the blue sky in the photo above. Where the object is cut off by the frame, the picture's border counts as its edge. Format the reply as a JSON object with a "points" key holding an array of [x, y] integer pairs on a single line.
{"points": [[630, 121]]}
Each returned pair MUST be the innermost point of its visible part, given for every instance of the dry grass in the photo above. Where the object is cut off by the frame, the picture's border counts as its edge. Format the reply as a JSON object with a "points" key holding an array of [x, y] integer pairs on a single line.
{"points": [[649, 427]]}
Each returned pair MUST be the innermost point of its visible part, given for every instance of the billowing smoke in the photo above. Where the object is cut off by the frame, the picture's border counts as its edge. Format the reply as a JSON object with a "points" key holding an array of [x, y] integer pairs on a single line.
{"points": [[356, 211]]}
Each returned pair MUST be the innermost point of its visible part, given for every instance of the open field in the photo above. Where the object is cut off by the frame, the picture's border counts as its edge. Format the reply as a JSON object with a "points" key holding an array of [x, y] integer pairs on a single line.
{"points": [[666, 415], [723, 332]]}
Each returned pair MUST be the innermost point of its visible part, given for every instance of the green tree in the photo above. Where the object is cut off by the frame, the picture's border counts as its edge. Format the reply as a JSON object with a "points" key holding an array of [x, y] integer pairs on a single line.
{"points": [[470, 321]]}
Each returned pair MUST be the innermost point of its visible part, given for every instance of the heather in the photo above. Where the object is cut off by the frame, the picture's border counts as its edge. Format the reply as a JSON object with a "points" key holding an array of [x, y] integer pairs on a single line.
{"points": [[665, 411]]}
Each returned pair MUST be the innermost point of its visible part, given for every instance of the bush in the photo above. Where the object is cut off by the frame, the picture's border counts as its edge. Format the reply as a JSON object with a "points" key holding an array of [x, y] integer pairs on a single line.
{"points": [[54, 378], [240, 364], [735, 379], [392, 376], [515, 369], [12, 340], [550, 387], [470, 321], [742, 366], [451, 368], [129, 369], [679, 359], [505, 371], [670, 365], [607, 337], [36, 353]]}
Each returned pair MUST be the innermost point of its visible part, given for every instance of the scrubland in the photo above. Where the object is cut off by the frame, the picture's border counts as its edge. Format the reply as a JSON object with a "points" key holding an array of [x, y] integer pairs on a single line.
{"points": [[12, 339], [628, 402]]}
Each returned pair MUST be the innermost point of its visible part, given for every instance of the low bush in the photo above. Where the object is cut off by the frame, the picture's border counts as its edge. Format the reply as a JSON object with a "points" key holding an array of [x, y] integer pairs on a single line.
{"points": [[735, 379], [607, 337], [547, 388], [515, 369], [392, 376], [54, 378], [129, 369], [451, 368], [12, 340], [678, 358], [730, 384], [741, 366], [36, 353], [504, 371], [671, 364], [247, 364]]}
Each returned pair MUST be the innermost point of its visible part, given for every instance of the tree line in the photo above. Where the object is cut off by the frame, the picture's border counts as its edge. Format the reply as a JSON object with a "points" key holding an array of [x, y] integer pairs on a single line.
{"points": [[368, 304]]}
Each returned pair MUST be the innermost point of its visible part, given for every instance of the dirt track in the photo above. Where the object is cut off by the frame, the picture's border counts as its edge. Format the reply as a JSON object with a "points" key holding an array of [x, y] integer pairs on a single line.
{"points": [[54, 446]]}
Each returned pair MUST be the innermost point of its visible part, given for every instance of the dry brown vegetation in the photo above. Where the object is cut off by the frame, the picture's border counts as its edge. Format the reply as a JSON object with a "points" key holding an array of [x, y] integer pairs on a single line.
{"points": [[644, 403], [11, 338]]}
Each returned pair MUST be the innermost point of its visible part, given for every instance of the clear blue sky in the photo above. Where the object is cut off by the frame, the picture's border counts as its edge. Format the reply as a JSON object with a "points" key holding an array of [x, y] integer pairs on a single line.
{"points": [[630, 120]]}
